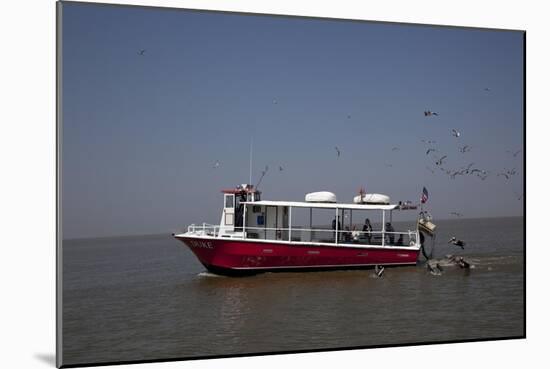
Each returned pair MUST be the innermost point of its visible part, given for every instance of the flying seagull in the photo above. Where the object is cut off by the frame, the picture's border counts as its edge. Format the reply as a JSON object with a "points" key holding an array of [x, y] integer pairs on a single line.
{"points": [[142, 52], [429, 113], [216, 164], [378, 270], [506, 175], [395, 148], [464, 149], [274, 101], [280, 168], [467, 170], [455, 133], [456, 214], [337, 151], [430, 150], [455, 173], [457, 242], [487, 89], [513, 153], [440, 160], [429, 142]]}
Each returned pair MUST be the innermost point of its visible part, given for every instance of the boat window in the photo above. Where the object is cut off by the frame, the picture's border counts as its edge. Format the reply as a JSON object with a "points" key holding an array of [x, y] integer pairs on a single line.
{"points": [[256, 196], [229, 201]]}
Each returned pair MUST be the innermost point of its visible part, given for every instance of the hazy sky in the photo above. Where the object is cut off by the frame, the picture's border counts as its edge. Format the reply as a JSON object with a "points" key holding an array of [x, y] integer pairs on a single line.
{"points": [[141, 133]]}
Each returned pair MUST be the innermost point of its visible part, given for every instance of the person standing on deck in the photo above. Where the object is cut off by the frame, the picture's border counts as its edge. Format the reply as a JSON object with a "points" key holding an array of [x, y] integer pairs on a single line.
{"points": [[367, 227], [391, 236]]}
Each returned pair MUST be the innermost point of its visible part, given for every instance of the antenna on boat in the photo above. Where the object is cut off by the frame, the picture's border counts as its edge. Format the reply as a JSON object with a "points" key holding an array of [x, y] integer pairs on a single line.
{"points": [[250, 173]]}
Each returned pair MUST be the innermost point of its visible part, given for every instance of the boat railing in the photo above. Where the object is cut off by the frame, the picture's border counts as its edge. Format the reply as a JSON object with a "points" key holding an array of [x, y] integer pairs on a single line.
{"points": [[204, 229], [325, 235], [307, 235]]}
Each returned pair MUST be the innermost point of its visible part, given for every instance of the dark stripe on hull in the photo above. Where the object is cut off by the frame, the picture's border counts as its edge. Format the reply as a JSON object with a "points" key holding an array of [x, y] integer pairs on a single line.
{"points": [[229, 272]]}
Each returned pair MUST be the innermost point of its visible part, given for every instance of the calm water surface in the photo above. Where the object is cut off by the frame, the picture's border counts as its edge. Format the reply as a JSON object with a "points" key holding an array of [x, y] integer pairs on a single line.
{"points": [[147, 297]]}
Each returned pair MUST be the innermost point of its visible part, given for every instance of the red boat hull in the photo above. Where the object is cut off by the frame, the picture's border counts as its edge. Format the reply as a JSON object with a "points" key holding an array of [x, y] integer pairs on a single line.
{"points": [[230, 256]]}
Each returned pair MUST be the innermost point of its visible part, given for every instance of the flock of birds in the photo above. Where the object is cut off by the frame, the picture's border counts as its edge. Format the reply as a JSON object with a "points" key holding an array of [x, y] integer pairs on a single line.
{"points": [[469, 169], [440, 161], [439, 158]]}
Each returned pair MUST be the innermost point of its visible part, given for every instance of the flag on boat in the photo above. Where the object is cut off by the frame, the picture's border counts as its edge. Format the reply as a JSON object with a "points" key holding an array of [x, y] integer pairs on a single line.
{"points": [[424, 197]]}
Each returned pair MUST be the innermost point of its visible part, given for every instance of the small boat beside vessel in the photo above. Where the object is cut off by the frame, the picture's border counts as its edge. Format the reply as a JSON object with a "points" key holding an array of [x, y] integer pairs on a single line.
{"points": [[256, 235]]}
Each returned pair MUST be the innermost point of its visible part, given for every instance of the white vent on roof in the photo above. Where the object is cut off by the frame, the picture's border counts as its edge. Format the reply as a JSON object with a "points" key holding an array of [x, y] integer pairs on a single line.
{"points": [[322, 196], [371, 198]]}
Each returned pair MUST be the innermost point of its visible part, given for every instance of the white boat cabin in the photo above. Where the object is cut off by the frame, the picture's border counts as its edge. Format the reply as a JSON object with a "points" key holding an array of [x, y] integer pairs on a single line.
{"points": [[246, 216]]}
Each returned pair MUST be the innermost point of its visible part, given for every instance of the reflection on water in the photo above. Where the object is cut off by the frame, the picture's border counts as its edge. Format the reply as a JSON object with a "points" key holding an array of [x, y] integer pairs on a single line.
{"points": [[139, 298]]}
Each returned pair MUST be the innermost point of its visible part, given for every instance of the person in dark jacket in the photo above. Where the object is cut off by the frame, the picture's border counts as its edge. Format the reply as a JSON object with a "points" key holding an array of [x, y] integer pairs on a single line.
{"points": [[390, 236], [367, 228]]}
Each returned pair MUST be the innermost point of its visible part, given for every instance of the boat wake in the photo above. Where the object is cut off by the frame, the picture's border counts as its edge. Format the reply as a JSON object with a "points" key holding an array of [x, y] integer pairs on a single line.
{"points": [[209, 275]]}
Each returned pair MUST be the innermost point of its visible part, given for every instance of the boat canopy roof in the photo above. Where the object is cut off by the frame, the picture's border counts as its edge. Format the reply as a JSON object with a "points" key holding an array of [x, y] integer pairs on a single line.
{"points": [[300, 204]]}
